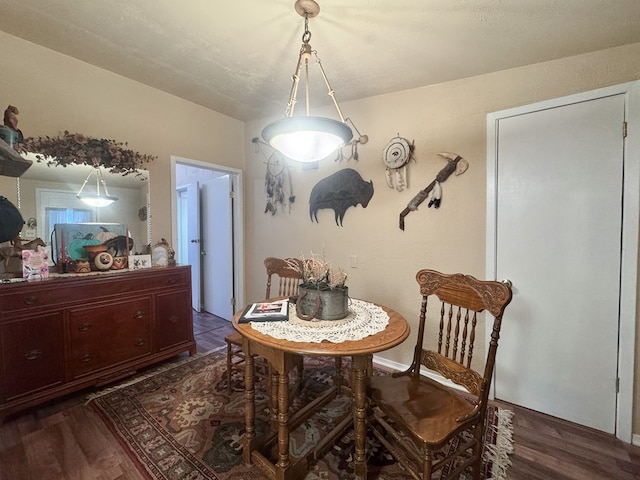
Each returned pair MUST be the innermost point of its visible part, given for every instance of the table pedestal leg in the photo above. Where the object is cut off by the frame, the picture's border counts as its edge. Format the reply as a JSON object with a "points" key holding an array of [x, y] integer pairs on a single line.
{"points": [[359, 371], [249, 405], [283, 419]]}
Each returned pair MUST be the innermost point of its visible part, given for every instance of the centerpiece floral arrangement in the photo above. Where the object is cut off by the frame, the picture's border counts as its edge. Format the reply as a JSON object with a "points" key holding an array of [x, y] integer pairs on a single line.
{"points": [[317, 273], [76, 148]]}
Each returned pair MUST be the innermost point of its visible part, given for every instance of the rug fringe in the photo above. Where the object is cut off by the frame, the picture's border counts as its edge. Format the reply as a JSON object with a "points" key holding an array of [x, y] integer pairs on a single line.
{"points": [[145, 376], [498, 454]]}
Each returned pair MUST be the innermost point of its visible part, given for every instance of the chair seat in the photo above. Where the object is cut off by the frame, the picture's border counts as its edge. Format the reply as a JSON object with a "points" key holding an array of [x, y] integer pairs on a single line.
{"points": [[234, 337], [427, 409]]}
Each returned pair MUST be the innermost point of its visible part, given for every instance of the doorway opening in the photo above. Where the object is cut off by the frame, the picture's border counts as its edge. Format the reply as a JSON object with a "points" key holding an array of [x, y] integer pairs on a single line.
{"points": [[207, 226]]}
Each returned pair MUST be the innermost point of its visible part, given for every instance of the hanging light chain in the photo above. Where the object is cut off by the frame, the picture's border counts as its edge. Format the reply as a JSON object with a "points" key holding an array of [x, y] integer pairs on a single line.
{"points": [[303, 58], [306, 36]]}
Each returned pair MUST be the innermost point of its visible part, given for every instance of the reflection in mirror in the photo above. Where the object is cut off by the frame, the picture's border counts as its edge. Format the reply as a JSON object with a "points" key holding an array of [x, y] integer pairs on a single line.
{"points": [[48, 196]]}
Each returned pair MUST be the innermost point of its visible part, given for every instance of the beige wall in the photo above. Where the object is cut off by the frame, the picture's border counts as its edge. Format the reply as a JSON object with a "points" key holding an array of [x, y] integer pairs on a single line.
{"points": [[449, 117], [55, 92]]}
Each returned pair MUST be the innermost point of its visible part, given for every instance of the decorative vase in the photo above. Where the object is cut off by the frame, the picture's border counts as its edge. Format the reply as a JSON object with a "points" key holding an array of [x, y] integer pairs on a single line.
{"points": [[92, 252], [82, 265], [119, 263], [315, 304], [103, 261]]}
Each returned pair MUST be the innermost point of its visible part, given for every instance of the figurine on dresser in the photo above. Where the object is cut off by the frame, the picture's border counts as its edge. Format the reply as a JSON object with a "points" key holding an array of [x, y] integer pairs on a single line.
{"points": [[10, 132]]}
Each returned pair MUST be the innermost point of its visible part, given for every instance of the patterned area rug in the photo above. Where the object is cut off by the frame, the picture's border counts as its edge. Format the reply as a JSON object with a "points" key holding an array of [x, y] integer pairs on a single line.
{"points": [[180, 423]]}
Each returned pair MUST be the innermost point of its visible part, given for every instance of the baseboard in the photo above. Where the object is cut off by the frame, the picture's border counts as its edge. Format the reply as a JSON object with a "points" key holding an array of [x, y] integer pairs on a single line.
{"points": [[635, 439], [389, 364]]}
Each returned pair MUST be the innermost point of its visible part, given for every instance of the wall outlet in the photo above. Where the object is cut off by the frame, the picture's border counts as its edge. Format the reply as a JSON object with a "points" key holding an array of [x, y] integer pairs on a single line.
{"points": [[354, 261]]}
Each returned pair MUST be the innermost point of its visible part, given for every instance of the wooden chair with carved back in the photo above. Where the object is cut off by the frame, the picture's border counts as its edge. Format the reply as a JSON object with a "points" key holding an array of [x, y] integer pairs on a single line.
{"points": [[288, 280], [416, 416]]}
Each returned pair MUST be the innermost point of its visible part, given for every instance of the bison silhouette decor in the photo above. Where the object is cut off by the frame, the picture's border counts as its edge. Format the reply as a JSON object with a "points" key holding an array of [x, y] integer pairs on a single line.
{"points": [[339, 191]]}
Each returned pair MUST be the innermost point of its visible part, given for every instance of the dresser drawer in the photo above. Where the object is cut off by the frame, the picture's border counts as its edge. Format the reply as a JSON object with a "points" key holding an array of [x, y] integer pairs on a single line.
{"points": [[35, 359], [174, 319], [168, 277], [109, 334], [45, 295]]}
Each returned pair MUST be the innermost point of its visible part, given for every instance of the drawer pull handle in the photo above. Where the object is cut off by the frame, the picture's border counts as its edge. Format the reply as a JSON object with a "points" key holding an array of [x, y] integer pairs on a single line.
{"points": [[85, 358], [83, 327], [31, 300], [173, 319], [33, 354], [172, 281], [138, 315], [139, 342]]}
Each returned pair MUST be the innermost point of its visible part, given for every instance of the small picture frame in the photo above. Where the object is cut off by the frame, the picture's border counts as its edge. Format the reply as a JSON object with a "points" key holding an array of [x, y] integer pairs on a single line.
{"points": [[139, 262], [35, 264], [162, 255]]}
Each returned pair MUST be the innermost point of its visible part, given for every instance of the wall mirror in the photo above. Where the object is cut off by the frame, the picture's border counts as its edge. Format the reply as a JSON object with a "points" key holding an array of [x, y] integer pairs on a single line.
{"points": [[48, 192]]}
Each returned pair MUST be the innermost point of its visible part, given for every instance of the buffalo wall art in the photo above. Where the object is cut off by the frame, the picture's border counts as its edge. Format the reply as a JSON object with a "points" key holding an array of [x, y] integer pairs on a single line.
{"points": [[339, 191]]}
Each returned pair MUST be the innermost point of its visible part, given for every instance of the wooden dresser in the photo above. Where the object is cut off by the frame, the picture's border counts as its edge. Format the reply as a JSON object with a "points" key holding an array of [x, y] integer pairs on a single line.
{"points": [[69, 332]]}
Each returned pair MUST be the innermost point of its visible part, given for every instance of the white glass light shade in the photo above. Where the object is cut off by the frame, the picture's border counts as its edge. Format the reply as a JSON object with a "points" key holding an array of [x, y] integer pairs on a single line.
{"points": [[307, 139], [96, 200]]}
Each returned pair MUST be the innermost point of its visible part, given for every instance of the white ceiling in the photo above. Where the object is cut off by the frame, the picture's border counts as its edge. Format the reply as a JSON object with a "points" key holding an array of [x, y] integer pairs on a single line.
{"points": [[237, 56]]}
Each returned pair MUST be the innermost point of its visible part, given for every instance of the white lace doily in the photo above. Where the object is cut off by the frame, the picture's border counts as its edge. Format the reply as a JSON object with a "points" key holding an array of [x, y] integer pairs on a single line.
{"points": [[364, 319]]}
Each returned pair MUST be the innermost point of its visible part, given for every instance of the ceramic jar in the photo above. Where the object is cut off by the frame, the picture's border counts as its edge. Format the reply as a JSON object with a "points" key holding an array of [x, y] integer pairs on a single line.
{"points": [[103, 261], [82, 265], [119, 262]]}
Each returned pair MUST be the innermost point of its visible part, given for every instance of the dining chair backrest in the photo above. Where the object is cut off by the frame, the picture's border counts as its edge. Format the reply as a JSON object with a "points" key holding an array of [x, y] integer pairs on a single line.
{"points": [[288, 278], [462, 299]]}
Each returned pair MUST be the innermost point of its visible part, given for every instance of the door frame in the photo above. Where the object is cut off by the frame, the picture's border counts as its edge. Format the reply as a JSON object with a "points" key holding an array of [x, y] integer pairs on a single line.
{"points": [[237, 217], [630, 237]]}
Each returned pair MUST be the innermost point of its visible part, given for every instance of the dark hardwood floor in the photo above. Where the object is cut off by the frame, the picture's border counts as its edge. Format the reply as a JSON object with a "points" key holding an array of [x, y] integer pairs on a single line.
{"points": [[64, 440]]}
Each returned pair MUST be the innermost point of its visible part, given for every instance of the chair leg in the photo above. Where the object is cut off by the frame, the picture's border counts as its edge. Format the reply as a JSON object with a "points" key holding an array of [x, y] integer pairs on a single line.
{"points": [[337, 379], [300, 368], [272, 386], [427, 464], [229, 366], [477, 449]]}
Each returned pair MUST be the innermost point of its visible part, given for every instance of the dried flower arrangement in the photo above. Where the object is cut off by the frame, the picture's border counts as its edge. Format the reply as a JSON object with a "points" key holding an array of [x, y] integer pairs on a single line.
{"points": [[76, 148], [317, 273]]}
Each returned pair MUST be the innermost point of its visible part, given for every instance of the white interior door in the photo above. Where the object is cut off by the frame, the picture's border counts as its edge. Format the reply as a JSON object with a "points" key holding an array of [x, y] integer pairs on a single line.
{"points": [[217, 246], [559, 197], [194, 257]]}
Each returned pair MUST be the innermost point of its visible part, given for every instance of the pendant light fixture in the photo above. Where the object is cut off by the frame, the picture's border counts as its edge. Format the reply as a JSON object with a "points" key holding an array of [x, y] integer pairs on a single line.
{"points": [[308, 138], [98, 199]]}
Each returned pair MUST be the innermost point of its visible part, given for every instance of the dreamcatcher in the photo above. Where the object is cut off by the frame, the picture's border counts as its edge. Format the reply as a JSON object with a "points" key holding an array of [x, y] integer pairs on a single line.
{"points": [[278, 185], [396, 156]]}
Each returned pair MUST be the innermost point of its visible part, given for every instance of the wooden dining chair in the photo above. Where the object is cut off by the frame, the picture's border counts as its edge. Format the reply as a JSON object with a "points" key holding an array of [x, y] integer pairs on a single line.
{"points": [[417, 417], [287, 279]]}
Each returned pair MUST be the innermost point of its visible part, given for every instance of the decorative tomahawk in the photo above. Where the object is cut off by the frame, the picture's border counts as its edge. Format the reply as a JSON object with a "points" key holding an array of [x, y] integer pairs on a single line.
{"points": [[455, 163]]}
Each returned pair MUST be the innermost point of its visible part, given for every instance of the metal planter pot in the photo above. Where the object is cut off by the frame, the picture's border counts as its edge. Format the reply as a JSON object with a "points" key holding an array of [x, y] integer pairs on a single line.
{"points": [[315, 304]]}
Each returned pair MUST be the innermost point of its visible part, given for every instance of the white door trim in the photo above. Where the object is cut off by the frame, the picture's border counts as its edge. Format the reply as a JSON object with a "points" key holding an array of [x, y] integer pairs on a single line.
{"points": [[630, 238], [238, 217]]}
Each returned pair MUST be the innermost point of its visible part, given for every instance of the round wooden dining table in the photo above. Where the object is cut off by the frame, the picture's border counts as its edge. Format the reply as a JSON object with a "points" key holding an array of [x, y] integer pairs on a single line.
{"points": [[281, 355]]}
